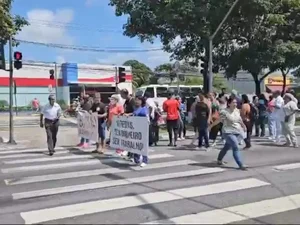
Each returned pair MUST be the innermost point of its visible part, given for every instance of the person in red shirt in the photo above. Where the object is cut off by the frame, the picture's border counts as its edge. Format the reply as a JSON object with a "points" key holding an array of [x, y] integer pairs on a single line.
{"points": [[171, 106]]}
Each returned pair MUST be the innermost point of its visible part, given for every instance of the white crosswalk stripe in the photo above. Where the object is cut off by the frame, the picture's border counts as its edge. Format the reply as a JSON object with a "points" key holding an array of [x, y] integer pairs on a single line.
{"points": [[55, 187]]}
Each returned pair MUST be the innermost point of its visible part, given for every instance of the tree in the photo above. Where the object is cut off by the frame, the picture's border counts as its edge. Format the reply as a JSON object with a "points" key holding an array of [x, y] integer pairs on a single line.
{"points": [[184, 26], [270, 44], [140, 72], [9, 25]]}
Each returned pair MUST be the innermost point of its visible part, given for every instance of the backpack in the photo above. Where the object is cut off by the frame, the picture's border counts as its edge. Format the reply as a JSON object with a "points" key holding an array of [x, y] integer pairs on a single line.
{"points": [[253, 112]]}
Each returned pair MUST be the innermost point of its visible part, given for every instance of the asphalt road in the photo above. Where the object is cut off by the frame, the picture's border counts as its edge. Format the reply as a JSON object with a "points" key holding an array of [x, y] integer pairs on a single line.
{"points": [[179, 186]]}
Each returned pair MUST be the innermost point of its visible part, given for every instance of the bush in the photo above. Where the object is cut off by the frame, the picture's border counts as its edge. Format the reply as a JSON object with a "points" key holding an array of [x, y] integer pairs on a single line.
{"points": [[3, 103]]}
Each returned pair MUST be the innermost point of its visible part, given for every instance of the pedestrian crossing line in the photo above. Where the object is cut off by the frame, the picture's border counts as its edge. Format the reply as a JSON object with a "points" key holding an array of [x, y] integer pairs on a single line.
{"points": [[80, 209], [50, 166], [113, 183], [48, 159], [96, 172], [26, 150], [31, 155], [285, 167], [238, 213], [70, 164], [157, 156]]}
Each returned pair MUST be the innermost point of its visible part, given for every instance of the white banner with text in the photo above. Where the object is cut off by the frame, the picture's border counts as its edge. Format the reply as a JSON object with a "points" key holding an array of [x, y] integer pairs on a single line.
{"points": [[130, 134], [88, 125]]}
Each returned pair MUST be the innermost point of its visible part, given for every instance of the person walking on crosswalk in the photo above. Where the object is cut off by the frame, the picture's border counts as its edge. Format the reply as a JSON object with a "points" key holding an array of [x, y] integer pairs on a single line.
{"points": [[233, 126], [49, 118]]}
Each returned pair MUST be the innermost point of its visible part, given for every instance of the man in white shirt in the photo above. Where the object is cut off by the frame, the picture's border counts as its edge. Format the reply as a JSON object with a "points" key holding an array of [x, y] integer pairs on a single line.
{"points": [[50, 115], [278, 114]]}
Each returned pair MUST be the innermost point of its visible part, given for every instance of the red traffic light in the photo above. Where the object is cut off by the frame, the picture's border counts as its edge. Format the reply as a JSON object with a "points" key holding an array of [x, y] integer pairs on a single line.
{"points": [[18, 56]]}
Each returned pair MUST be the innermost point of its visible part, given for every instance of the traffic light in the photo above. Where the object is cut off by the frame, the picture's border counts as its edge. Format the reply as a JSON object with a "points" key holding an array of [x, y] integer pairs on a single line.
{"points": [[204, 67], [2, 57], [18, 60], [51, 72], [122, 75]]}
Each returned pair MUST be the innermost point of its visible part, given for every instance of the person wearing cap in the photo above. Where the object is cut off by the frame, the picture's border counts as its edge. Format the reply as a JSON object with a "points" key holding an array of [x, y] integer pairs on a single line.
{"points": [[115, 109], [49, 119], [290, 109]]}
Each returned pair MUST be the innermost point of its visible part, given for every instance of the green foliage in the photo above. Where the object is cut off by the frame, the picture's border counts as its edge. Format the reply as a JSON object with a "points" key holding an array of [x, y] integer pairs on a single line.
{"points": [[3, 103], [9, 25], [62, 104], [141, 73], [258, 35], [193, 81], [167, 67]]}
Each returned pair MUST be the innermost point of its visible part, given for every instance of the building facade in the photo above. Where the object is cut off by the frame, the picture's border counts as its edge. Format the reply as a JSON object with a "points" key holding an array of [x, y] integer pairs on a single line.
{"points": [[33, 81]]}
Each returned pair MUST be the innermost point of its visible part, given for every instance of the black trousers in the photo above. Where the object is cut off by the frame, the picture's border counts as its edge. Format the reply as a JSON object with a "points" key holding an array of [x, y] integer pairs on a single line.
{"points": [[51, 127], [172, 127], [249, 126]]}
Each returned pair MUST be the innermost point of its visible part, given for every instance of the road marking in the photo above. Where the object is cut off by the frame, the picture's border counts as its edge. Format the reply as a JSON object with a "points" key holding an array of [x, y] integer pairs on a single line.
{"points": [[113, 183], [22, 150], [48, 159], [238, 213], [287, 167], [51, 166], [156, 156], [70, 175], [70, 164], [31, 155], [69, 211]]}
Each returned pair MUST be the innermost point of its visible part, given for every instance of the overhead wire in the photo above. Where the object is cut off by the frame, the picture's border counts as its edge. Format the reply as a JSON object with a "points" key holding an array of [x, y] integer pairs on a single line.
{"points": [[88, 48]]}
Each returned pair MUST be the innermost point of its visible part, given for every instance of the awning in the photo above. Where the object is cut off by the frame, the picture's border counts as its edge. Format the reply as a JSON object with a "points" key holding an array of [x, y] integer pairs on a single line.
{"points": [[274, 88]]}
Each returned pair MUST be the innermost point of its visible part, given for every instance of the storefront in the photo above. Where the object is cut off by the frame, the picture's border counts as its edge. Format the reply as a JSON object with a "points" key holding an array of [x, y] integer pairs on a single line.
{"points": [[33, 81]]}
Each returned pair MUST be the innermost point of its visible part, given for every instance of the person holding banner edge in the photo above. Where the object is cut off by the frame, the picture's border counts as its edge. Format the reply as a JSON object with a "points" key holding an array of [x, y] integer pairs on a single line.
{"points": [[100, 108], [141, 110]]}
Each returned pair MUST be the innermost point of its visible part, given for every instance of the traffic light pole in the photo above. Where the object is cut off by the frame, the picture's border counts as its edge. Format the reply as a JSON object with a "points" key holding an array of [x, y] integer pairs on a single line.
{"points": [[56, 81], [116, 81], [11, 99], [211, 38]]}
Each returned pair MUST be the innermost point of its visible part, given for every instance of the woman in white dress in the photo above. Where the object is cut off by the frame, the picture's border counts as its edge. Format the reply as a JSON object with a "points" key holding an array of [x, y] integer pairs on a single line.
{"points": [[290, 109]]}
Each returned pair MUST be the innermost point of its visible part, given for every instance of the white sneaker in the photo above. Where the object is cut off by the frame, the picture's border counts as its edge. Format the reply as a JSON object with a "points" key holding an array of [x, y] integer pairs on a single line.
{"points": [[179, 139], [183, 138], [213, 144], [124, 154], [143, 165]]}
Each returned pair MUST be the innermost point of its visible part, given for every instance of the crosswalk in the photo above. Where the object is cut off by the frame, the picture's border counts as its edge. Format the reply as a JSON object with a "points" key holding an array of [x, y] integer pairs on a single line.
{"points": [[32, 122], [77, 186]]}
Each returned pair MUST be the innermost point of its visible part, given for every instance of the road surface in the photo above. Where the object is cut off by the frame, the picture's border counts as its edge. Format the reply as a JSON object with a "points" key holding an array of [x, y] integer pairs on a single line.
{"points": [[179, 186]]}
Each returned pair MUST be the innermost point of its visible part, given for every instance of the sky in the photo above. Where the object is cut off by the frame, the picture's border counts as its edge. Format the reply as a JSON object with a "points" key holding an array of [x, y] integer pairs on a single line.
{"points": [[81, 23]]}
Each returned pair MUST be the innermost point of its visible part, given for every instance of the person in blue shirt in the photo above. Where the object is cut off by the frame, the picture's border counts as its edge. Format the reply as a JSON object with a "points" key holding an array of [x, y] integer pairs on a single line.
{"points": [[142, 111]]}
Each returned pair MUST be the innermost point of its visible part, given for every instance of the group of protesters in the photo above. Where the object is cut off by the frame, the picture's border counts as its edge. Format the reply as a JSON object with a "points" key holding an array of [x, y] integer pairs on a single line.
{"points": [[232, 116]]}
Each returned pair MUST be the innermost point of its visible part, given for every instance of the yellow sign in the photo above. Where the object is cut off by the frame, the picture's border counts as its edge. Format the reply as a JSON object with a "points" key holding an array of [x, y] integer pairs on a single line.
{"points": [[277, 81]]}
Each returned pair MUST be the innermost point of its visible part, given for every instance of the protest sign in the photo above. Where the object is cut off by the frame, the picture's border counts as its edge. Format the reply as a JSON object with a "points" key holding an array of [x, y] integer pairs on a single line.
{"points": [[130, 134], [88, 125]]}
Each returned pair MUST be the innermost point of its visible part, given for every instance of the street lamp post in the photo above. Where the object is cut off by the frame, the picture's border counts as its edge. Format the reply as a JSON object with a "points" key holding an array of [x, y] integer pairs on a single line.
{"points": [[210, 39]]}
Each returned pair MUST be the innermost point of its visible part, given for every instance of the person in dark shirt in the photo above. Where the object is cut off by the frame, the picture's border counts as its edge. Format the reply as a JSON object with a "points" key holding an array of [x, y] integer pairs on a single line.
{"points": [[100, 108], [86, 106], [129, 107], [202, 116], [129, 104]]}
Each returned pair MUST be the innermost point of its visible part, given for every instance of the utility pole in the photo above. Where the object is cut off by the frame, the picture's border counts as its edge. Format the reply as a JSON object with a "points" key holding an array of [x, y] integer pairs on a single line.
{"points": [[11, 99], [210, 39]]}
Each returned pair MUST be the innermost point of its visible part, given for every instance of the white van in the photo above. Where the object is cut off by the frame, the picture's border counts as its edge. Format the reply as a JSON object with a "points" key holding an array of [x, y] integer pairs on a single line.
{"points": [[159, 92]]}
